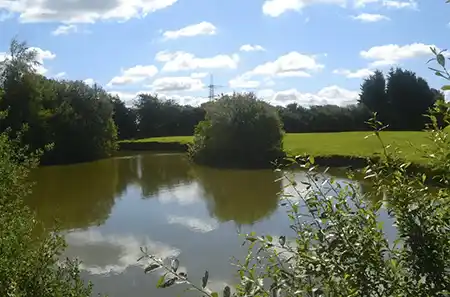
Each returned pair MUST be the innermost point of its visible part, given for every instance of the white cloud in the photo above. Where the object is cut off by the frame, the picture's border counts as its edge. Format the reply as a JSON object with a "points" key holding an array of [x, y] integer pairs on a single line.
{"points": [[82, 11], [395, 4], [203, 28], [400, 4], [360, 73], [89, 81], [183, 100], [363, 3], [251, 48], [328, 95], [242, 83], [170, 84], [134, 75], [41, 57], [193, 223], [288, 64], [292, 64], [60, 74], [65, 29], [127, 97], [178, 61], [391, 54], [119, 252], [370, 17], [275, 8], [4, 16], [43, 54], [199, 74]]}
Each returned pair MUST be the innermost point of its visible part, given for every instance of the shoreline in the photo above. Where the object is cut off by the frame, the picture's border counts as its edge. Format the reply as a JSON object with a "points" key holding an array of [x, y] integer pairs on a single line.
{"points": [[337, 161]]}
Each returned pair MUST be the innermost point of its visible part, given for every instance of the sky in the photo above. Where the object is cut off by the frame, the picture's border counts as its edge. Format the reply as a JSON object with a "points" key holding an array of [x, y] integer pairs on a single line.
{"points": [[305, 51]]}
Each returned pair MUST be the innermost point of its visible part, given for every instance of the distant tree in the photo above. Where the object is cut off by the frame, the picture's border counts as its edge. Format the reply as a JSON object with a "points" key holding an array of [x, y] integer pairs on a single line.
{"points": [[21, 96], [409, 97], [238, 130], [149, 115], [81, 124], [323, 118], [401, 99], [373, 95], [74, 117], [165, 117], [125, 119]]}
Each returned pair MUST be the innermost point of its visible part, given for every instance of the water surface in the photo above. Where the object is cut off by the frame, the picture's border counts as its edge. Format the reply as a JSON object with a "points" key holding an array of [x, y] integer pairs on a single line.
{"points": [[110, 208]]}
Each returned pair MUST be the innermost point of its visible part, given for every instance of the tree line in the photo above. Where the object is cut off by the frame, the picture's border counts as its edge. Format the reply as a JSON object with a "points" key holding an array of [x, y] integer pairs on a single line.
{"points": [[400, 98], [80, 122]]}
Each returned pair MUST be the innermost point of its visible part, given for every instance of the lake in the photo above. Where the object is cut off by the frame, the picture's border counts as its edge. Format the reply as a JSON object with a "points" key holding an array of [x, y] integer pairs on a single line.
{"points": [[110, 208]]}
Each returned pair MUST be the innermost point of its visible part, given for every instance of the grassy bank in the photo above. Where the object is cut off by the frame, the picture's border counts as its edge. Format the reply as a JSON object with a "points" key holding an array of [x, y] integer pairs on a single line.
{"points": [[345, 144]]}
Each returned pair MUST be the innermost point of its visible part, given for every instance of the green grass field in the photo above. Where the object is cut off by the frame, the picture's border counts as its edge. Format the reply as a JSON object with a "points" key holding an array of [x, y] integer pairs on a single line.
{"points": [[343, 144], [180, 139]]}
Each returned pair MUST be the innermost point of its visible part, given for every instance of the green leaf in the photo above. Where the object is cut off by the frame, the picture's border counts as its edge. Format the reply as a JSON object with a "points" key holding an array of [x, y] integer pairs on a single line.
{"points": [[433, 49], [269, 238], [160, 281], [251, 239], [445, 88], [440, 59], [214, 294], [151, 268]]}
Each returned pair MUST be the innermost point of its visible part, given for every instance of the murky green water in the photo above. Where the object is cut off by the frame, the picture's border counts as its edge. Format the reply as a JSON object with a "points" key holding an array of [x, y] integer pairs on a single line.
{"points": [[110, 208]]}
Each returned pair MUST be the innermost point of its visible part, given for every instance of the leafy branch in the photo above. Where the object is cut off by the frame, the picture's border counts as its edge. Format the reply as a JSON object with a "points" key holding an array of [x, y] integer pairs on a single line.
{"points": [[176, 277]]}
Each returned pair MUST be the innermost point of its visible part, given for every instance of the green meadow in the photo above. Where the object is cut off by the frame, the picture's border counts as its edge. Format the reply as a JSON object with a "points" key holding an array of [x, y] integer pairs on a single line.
{"points": [[355, 144]]}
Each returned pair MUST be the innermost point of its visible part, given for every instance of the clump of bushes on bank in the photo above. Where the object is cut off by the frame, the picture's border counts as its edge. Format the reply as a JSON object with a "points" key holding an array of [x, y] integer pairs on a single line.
{"points": [[238, 130]]}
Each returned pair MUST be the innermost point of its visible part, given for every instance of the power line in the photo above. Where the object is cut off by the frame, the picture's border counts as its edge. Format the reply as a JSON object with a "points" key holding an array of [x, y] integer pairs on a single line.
{"points": [[212, 87]]}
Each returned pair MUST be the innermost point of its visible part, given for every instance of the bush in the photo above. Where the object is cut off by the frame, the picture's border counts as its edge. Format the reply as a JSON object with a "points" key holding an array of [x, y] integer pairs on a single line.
{"points": [[29, 258], [238, 130]]}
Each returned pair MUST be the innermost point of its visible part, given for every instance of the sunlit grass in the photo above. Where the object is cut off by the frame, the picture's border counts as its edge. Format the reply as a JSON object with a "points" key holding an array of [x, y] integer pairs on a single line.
{"points": [[355, 144], [180, 139], [338, 144]]}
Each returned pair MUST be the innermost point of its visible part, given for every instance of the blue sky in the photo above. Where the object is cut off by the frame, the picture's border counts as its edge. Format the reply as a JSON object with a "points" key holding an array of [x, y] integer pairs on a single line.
{"points": [[305, 51]]}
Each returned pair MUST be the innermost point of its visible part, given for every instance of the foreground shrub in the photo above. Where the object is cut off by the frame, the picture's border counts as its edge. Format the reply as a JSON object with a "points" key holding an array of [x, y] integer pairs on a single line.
{"points": [[238, 130], [339, 247], [29, 262]]}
